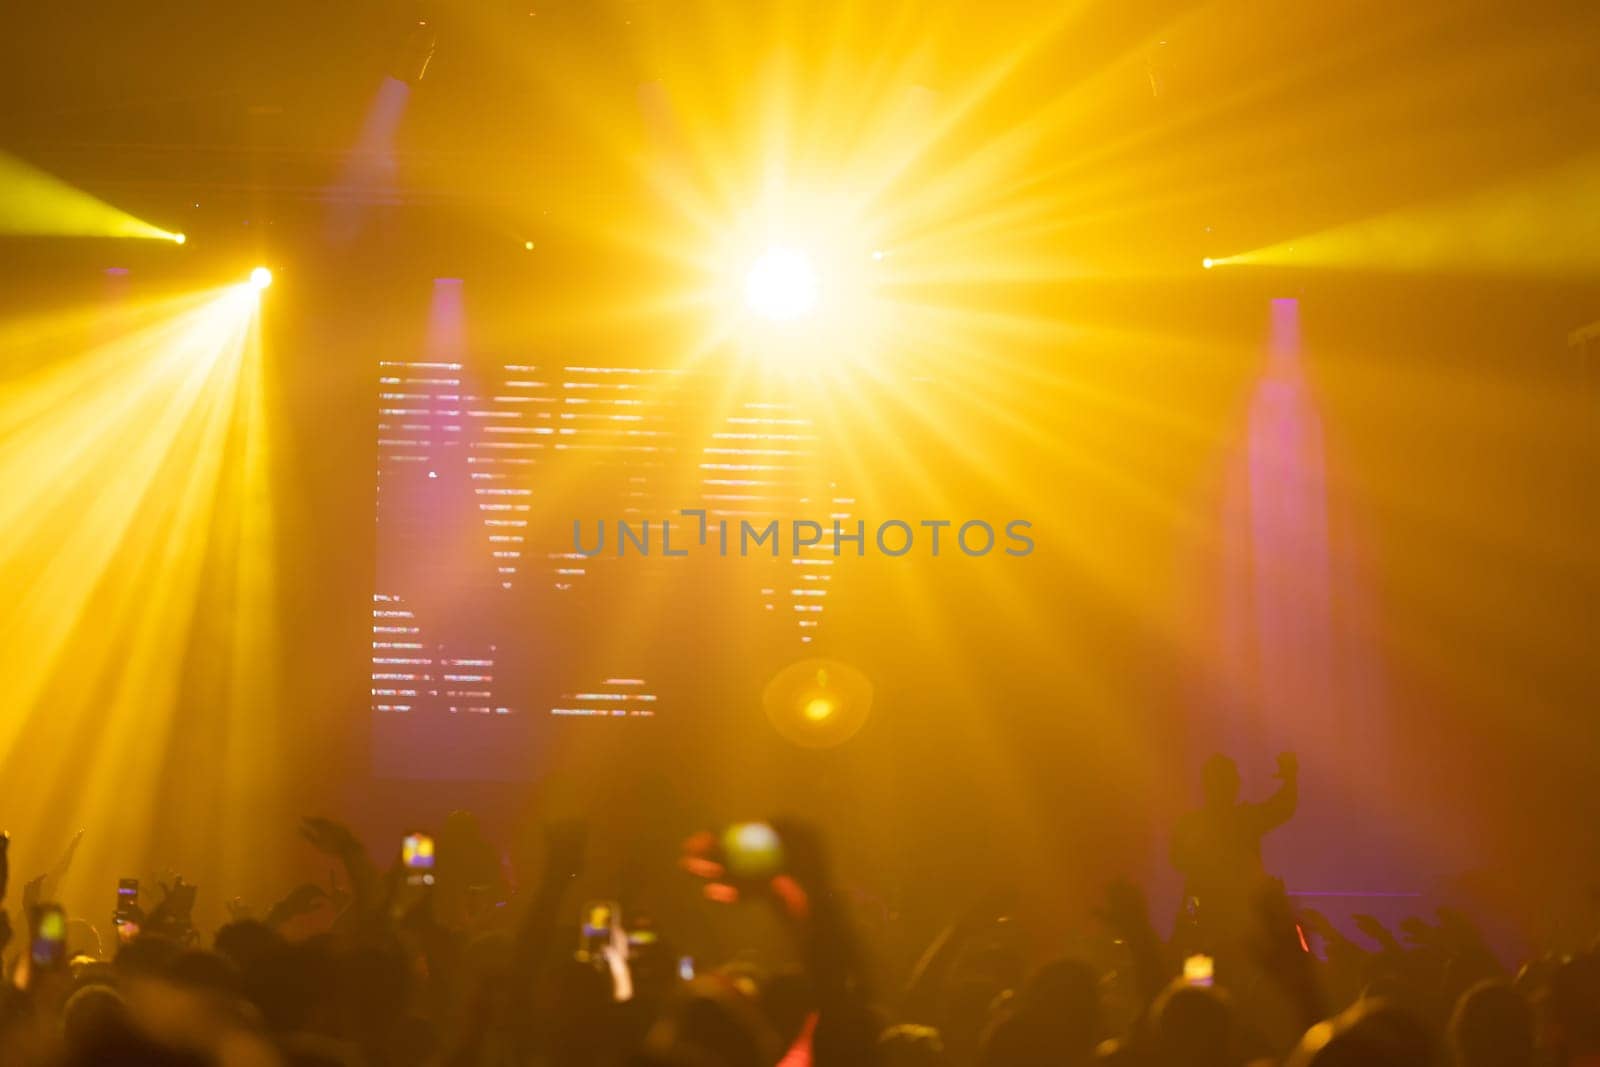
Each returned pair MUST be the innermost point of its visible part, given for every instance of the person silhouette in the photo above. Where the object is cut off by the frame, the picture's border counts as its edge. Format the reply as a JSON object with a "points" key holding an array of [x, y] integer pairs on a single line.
{"points": [[1217, 848]]}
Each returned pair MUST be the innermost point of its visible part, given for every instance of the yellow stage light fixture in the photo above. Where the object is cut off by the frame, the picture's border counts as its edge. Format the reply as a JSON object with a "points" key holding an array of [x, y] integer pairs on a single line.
{"points": [[179, 238], [1208, 263], [781, 284], [260, 278]]}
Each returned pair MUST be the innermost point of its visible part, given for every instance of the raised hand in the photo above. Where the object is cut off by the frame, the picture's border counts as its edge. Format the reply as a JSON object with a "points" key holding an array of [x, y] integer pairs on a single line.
{"points": [[1317, 923], [1374, 929], [1125, 912], [329, 837], [1281, 955], [1419, 932], [32, 892], [172, 917]]}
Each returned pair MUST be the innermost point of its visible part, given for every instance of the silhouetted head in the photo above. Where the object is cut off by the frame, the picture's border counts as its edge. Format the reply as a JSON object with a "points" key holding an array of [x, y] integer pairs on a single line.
{"points": [[911, 1045], [129, 1048], [94, 1016], [1571, 1004], [1193, 1026], [1219, 780], [712, 1021], [1492, 1027], [205, 972], [1370, 1034], [147, 955]]}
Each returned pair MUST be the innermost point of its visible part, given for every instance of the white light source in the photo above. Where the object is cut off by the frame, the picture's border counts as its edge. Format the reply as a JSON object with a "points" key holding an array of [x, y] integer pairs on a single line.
{"points": [[260, 278], [781, 284]]}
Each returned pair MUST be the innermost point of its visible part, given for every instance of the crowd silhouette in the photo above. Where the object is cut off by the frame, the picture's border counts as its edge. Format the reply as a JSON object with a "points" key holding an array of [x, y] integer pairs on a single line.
{"points": [[442, 958]]}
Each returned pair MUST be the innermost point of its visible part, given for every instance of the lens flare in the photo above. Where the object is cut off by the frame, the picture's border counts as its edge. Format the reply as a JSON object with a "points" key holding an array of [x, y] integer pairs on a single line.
{"points": [[818, 703], [818, 709]]}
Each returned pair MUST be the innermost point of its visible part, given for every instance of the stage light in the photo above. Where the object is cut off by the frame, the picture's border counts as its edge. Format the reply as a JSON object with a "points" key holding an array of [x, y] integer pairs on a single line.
{"points": [[414, 52], [781, 284], [179, 238], [260, 278], [527, 246], [1208, 263]]}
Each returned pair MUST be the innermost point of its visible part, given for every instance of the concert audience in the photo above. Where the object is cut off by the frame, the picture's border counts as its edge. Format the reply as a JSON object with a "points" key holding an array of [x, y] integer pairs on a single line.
{"points": [[449, 965]]}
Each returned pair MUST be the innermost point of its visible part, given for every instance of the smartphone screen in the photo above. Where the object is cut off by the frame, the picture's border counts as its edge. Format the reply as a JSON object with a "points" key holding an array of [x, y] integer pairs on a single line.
{"points": [[599, 918], [127, 899], [416, 855], [49, 946]]}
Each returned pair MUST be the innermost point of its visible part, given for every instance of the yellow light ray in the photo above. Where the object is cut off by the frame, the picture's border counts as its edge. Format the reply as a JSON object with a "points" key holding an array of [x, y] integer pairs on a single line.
{"points": [[1546, 224], [137, 466], [34, 202]]}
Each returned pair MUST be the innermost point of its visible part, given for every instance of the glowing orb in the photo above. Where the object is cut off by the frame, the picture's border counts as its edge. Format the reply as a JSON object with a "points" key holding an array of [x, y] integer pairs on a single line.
{"points": [[752, 850], [818, 708], [260, 278], [781, 284]]}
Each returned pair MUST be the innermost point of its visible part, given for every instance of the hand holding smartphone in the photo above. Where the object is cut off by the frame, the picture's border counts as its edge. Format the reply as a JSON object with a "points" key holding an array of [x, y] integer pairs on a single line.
{"points": [[47, 947], [127, 916], [417, 856]]}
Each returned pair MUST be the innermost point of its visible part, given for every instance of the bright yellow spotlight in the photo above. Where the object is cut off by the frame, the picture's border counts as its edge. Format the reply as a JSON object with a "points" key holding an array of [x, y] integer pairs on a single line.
{"points": [[179, 238], [1208, 263], [781, 284], [818, 709], [260, 278]]}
